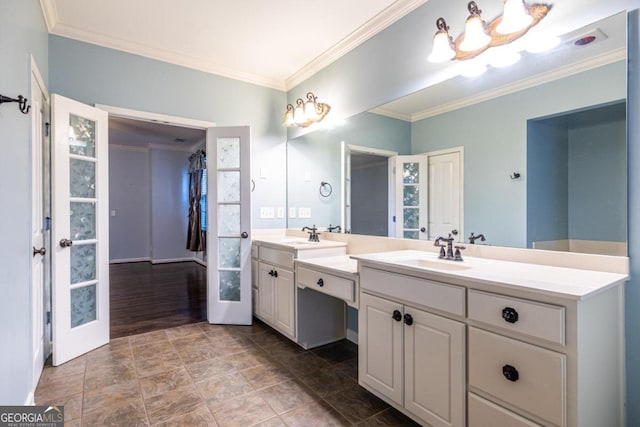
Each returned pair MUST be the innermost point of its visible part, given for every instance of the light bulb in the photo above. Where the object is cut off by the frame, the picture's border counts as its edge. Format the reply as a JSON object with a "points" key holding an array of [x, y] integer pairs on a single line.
{"points": [[442, 50], [475, 36], [515, 17]]}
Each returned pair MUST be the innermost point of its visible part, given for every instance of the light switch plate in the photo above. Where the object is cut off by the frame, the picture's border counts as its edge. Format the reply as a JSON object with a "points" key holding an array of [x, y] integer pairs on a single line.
{"points": [[281, 212], [304, 212], [266, 213], [292, 212]]}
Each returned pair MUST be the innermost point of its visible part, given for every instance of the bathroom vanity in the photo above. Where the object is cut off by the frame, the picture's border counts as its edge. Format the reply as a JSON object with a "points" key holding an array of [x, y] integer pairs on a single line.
{"points": [[488, 342]]}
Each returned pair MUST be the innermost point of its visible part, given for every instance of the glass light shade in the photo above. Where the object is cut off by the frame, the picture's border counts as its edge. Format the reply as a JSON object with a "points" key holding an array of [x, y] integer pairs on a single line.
{"points": [[298, 114], [310, 111], [442, 50], [475, 36], [502, 56], [515, 17], [288, 118]]}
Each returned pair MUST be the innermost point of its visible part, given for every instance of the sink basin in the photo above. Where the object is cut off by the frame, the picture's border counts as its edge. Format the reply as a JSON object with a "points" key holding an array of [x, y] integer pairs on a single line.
{"points": [[436, 265]]}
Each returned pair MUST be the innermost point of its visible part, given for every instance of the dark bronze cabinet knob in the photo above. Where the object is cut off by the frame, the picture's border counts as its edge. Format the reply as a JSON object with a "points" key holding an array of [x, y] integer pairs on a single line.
{"points": [[510, 314], [397, 316], [320, 282], [408, 319], [510, 373]]}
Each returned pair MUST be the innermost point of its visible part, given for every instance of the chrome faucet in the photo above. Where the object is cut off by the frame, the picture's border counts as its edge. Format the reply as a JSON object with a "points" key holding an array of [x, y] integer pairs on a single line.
{"points": [[313, 233], [332, 229], [472, 238]]}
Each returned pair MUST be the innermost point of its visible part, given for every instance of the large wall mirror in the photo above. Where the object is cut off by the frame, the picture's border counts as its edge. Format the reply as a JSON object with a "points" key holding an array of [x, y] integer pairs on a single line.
{"points": [[532, 155]]}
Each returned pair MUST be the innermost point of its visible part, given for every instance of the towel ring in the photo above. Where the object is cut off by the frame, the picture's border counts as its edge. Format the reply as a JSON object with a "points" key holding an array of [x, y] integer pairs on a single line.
{"points": [[323, 191], [253, 185]]}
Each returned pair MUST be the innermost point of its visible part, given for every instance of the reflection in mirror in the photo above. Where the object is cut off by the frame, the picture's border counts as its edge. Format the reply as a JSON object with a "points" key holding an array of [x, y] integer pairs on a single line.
{"points": [[499, 119]]}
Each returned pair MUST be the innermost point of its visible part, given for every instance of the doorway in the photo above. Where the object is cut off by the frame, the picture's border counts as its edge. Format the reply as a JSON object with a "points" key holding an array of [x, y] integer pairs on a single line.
{"points": [[155, 283]]}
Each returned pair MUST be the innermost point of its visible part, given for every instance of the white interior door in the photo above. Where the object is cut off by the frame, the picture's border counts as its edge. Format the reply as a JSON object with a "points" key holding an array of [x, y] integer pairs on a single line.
{"points": [[411, 198], [229, 232], [445, 195], [346, 187], [80, 170], [39, 111]]}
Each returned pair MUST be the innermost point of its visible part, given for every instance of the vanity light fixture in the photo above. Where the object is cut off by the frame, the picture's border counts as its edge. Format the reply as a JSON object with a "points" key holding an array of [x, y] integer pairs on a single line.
{"points": [[305, 113], [517, 19]]}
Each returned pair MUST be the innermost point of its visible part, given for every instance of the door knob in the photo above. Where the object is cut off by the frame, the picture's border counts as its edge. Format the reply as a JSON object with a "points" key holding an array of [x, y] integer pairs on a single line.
{"points": [[423, 230], [42, 251], [454, 232], [244, 234], [65, 243]]}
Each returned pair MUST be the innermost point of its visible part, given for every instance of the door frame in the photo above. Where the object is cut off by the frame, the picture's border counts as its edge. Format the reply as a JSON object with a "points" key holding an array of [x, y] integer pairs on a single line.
{"points": [[390, 155], [460, 151], [38, 318]]}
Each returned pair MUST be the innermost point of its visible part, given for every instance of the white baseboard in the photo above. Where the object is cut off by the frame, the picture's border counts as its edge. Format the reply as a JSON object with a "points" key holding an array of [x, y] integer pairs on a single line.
{"points": [[31, 401], [125, 260], [352, 336], [169, 260]]}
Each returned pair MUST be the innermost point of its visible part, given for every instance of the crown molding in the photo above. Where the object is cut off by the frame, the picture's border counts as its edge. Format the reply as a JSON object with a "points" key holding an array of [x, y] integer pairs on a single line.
{"points": [[384, 19], [127, 46], [50, 13], [391, 113], [558, 73]]}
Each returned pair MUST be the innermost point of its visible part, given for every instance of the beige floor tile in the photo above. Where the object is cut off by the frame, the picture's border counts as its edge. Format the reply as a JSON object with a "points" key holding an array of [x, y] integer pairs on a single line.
{"points": [[155, 365], [242, 411], [72, 406], [130, 413], [266, 375], [288, 395], [356, 404], [60, 388], [102, 376], [164, 382], [198, 354], [172, 404], [191, 341], [217, 389], [152, 350], [305, 363], [389, 418], [183, 331], [210, 368], [249, 359], [328, 381], [72, 367], [314, 415], [271, 422], [200, 417], [112, 395], [148, 338]]}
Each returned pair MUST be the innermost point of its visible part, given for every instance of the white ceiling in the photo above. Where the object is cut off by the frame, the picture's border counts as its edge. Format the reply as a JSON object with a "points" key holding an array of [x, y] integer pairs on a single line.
{"points": [[275, 43], [146, 134]]}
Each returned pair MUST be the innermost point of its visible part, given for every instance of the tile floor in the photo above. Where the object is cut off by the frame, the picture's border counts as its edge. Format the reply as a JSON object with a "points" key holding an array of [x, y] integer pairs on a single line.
{"points": [[212, 375]]}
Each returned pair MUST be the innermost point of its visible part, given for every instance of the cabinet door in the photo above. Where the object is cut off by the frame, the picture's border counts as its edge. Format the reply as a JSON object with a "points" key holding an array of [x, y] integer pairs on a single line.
{"points": [[380, 346], [434, 352], [266, 293], [285, 302]]}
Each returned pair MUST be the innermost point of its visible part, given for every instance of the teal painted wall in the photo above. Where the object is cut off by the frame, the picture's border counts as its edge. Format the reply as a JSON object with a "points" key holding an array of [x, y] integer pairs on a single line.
{"points": [[97, 75], [22, 33], [494, 134]]}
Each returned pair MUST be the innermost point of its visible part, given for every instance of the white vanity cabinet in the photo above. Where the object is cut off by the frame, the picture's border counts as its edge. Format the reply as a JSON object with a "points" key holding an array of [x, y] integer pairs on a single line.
{"points": [[492, 343], [276, 300], [411, 356]]}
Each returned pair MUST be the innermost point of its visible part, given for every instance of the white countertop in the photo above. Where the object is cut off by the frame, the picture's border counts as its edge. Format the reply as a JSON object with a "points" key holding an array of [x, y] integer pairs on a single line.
{"points": [[560, 281], [297, 243], [339, 264]]}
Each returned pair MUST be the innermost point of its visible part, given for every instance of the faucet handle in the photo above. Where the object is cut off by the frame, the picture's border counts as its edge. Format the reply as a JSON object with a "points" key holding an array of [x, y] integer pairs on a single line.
{"points": [[443, 254], [458, 255]]}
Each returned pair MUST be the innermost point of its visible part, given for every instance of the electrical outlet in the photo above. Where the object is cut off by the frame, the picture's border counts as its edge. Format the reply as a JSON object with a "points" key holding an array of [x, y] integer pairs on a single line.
{"points": [[266, 213], [292, 212], [304, 212], [280, 212]]}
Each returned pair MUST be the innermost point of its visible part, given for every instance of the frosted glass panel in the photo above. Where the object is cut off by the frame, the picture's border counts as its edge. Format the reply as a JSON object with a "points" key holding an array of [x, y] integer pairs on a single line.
{"points": [[83, 263], [229, 254], [82, 178], [82, 136], [410, 217], [229, 186], [410, 173], [411, 235], [229, 220], [228, 153], [83, 220], [229, 286], [411, 193], [83, 305]]}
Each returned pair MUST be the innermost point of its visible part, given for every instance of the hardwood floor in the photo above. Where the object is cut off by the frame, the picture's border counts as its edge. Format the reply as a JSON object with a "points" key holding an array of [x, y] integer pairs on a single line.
{"points": [[147, 297]]}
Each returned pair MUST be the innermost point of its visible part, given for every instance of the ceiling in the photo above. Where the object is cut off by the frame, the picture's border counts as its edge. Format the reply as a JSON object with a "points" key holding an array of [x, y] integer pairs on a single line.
{"points": [[275, 43], [146, 134]]}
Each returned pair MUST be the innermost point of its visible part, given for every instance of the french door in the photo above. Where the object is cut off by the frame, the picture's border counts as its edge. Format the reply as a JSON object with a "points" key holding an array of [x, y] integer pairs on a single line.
{"points": [[80, 229], [411, 197], [229, 232]]}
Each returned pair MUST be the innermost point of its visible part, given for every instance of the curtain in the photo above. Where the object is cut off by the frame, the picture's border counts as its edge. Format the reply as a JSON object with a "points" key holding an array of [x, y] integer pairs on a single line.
{"points": [[196, 239]]}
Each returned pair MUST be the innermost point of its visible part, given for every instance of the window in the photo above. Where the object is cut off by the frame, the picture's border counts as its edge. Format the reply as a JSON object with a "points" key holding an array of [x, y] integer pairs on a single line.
{"points": [[203, 201]]}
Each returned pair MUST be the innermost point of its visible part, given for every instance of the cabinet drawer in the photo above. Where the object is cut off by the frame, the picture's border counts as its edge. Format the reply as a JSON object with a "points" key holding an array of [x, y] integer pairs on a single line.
{"points": [[483, 413], [526, 376], [331, 285], [276, 256], [439, 296], [514, 314]]}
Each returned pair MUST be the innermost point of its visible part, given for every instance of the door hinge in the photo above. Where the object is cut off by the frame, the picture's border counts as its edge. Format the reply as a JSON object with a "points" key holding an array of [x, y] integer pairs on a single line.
{"points": [[48, 317], [46, 128], [47, 223]]}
